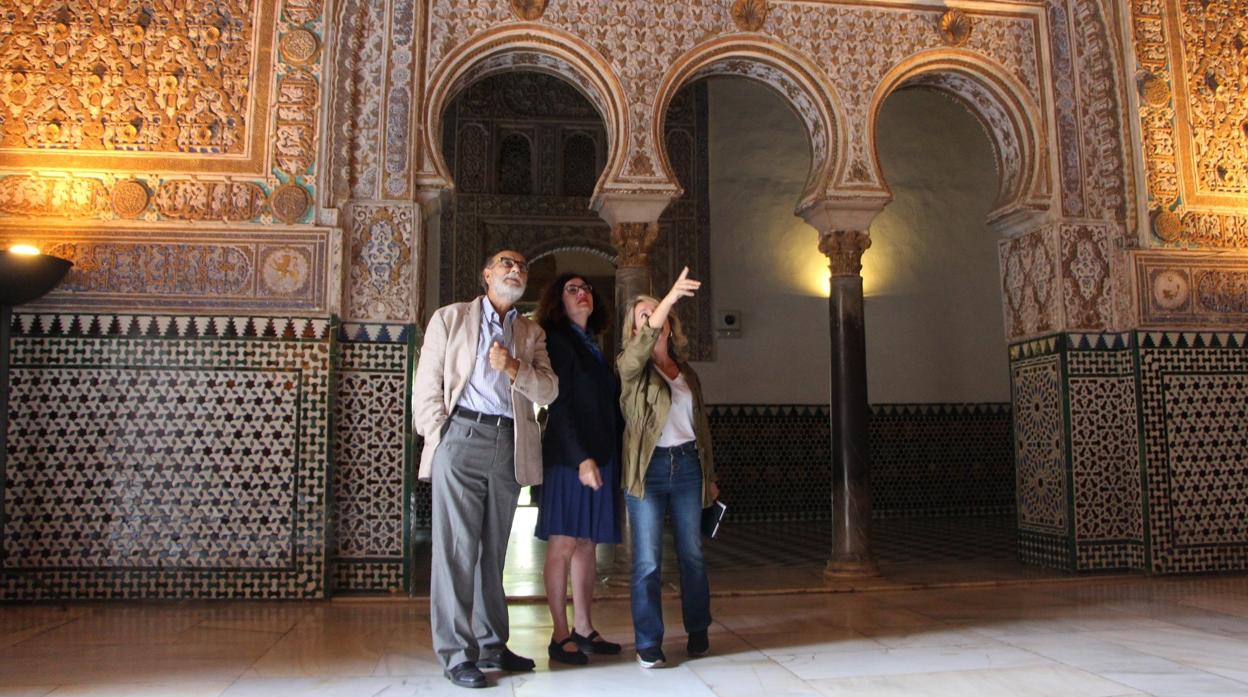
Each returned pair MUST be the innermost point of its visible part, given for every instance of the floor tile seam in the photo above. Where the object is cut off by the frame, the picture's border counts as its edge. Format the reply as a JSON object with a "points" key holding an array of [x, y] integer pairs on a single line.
{"points": [[1186, 662], [45, 630], [770, 659], [252, 665], [1132, 691]]}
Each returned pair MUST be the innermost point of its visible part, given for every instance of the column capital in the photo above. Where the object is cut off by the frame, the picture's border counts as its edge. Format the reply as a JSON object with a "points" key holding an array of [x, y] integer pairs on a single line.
{"points": [[844, 250], [617, 207], [632, 242]]}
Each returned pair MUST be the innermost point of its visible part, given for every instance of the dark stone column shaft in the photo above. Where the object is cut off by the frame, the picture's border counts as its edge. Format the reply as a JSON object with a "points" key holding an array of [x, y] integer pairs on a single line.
{"points": [[851, 455]]}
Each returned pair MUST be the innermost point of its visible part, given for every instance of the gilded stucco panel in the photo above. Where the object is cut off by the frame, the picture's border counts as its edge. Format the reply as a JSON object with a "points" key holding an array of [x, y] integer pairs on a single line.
{"points": [[1193, 86]]}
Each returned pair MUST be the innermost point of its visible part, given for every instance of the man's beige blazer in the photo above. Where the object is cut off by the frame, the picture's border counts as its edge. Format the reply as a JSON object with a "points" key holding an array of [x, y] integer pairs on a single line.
{"points": [[446, 360]]}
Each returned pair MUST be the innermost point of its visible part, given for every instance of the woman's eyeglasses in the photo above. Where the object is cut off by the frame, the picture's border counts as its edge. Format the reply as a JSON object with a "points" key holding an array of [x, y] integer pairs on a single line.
{"points": [[575, 289]]}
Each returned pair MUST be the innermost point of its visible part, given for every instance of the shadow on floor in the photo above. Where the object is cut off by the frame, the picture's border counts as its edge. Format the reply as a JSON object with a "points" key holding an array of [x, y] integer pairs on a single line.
{"points": [[789, 557]]}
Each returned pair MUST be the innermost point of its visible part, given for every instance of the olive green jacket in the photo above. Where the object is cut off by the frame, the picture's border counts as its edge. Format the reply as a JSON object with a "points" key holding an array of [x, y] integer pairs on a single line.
{"points": [[645, 399]]}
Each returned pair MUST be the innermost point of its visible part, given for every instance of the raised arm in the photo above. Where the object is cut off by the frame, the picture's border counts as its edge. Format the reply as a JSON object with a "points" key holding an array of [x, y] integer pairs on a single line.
{"points": [[684, 287]]}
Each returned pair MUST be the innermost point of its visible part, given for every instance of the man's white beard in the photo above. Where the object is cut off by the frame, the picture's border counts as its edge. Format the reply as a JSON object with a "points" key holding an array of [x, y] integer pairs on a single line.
{"points": [[505, 292]]}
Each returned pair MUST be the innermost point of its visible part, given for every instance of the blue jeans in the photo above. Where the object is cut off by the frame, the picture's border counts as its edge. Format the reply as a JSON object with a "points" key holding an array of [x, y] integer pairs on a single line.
{"points": [[673, 484]]}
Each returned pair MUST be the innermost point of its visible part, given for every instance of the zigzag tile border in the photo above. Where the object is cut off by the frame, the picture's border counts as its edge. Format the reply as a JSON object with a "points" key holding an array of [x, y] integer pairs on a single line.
{"points": [[160, 326], [377, 332]]}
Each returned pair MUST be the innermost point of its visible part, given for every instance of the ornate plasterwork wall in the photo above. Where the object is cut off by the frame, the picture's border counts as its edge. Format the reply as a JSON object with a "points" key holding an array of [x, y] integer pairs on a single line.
{"points": [[633, 63], [158, 145]]}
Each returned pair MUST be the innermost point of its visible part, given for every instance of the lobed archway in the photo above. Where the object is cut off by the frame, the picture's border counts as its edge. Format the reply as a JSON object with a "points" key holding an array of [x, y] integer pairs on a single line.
{"points": [[799, 82], [530, 47]]}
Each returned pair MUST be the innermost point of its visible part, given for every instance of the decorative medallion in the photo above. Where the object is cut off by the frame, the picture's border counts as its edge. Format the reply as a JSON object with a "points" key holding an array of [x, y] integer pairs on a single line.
{"points": [[749, 14], [284, 271], [299, 46], [1153, 90], [1171, 289], [1166, 225], [956, 27], [528, 10], [130, 197], [289, 203]]}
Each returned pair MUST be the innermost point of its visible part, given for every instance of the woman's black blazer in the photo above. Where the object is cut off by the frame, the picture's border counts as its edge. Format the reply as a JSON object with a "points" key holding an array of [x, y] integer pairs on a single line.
{"points": [[584, 420]]}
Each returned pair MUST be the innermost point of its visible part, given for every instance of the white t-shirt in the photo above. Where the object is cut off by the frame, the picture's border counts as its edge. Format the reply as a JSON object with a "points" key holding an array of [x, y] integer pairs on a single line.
{"points": [[679, 426]]}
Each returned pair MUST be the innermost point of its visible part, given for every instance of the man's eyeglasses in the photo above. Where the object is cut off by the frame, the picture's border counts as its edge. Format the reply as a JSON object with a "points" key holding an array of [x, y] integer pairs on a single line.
{"points": [[508, 263], [574, 289]]}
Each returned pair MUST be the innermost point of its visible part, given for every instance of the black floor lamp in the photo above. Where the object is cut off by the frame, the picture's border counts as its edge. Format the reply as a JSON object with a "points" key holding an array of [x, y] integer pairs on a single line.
{"points": [[25, 275]]}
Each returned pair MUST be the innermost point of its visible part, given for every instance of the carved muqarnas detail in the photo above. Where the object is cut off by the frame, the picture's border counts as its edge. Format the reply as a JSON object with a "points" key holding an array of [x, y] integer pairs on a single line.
{"points": [[844, 250], [528, 10], [633, 241], [138, 77], [749, 15]]}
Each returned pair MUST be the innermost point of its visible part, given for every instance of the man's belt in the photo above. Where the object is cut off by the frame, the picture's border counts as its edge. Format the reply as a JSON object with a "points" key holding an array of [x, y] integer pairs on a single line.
{"points": [[491, 419]]}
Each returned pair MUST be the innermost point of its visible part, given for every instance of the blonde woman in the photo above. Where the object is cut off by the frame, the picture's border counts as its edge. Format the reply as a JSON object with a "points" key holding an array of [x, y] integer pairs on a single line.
{"points": [[668, 468]]}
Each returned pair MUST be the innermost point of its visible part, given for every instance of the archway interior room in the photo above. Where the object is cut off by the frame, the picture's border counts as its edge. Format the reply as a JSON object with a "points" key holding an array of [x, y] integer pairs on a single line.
{"points": [[969, 335]]}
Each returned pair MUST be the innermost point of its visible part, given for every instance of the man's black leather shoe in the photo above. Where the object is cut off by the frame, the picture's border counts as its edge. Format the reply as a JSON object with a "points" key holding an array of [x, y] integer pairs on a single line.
{"points": [[465, 674], [508, 661]]}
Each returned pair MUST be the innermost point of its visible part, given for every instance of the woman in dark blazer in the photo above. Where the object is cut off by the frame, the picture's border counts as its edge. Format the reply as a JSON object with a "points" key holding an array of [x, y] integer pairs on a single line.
{"points": [[580, 456]]}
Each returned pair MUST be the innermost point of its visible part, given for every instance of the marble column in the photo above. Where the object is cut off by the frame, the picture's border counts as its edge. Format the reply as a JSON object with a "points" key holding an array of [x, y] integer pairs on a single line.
{"points": [[851, 456]]}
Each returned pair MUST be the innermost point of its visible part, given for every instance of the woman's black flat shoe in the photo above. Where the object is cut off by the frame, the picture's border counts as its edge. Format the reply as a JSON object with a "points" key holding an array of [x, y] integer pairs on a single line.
{"points": [[574, 658], [594, 643]]}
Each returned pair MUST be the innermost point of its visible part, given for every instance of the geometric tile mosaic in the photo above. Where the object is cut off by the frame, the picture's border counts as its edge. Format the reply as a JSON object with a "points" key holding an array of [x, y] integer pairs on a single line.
{"points": [[1157, 445], [1104, 455], [1207, 446], [927, 459], [149, 458], [1193, 392], [148, 469], [371, 577], [1039, 439], [371, 428], [773, 461], [942, 459]]}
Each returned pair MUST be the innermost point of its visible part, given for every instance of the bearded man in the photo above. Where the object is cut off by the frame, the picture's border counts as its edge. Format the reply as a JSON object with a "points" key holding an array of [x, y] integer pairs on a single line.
{"points": [[482, 368]]}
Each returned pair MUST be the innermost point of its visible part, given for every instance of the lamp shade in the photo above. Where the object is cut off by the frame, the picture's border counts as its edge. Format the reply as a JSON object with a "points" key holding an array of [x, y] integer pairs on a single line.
{"points": [[27, 277]]}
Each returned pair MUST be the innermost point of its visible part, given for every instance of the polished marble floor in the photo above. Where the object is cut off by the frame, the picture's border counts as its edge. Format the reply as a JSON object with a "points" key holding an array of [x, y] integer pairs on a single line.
{"points": [[1109, 637]]}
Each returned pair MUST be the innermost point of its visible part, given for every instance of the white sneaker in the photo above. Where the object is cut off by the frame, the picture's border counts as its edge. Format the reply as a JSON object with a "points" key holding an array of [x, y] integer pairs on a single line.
{"points": [[651, 657]]}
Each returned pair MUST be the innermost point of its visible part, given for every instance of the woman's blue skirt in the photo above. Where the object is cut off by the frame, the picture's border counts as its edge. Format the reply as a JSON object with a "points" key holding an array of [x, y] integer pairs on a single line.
{"points": [[568, 507]]}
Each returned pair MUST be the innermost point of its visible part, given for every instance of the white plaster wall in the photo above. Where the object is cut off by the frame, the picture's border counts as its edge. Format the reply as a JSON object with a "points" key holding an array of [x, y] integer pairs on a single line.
{"points": [[933, 311]]}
